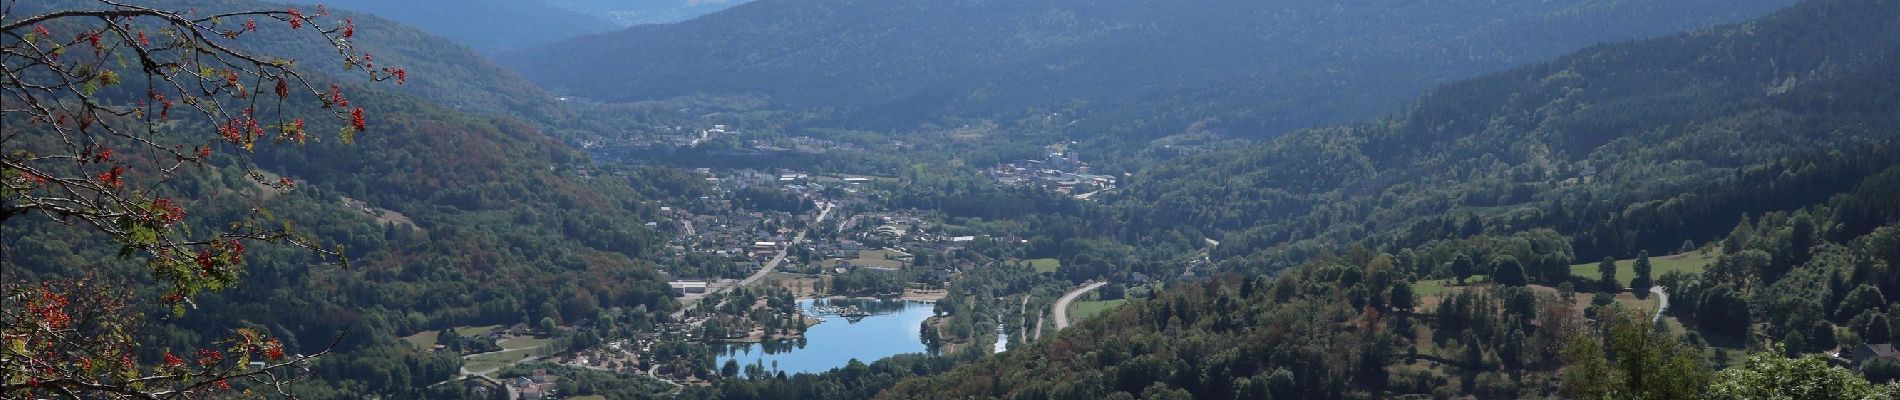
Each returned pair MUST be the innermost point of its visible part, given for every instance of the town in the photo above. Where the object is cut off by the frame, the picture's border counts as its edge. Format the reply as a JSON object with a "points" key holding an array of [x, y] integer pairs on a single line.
{"points": [[742, 257], [1061, 171]]}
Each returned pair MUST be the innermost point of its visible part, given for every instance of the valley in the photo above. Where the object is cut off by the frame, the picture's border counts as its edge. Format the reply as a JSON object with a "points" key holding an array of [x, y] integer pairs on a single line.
{"points": [[840, 199]]}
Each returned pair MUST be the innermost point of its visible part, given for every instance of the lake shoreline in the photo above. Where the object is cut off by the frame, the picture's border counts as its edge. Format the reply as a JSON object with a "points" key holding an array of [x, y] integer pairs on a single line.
{"points": [[927, 296], [890, 329]]}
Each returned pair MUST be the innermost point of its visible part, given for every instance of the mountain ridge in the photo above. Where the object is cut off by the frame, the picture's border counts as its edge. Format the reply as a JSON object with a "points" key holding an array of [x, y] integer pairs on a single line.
{"points": [[1259, 67]]}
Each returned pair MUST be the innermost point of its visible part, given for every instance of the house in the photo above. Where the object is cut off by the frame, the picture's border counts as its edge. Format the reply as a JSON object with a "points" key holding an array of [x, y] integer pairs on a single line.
{"points": [[532, 392], [1867, 353], [495, 334]]}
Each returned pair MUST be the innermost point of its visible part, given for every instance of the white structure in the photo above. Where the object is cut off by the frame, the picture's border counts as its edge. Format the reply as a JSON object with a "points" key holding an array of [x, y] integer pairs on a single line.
{"points": [[682, 288]]}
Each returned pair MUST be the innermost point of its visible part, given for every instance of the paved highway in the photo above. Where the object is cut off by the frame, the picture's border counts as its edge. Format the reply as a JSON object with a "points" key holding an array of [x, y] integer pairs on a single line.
{"points": [[1062, 305]]}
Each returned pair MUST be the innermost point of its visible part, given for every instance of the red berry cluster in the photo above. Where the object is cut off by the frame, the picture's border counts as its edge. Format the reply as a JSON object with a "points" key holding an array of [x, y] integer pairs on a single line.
{"points": [[168, 212], [51, 309]]}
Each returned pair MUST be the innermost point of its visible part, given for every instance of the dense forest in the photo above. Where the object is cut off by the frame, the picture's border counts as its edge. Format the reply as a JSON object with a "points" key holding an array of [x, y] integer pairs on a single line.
{"points": [[1621, 147]]}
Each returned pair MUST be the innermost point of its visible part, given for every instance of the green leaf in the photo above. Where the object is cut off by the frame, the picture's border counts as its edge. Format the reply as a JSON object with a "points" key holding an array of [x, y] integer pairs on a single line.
{"points": [[144, 235]]}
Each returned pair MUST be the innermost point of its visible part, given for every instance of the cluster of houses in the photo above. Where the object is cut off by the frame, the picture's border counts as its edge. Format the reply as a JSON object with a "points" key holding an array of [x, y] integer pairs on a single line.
{"points": [[749, 235], [662, 137], [1061, 172], [901, 234], [802, 144], [536, 386], [671, 138], [755, 235], [609, 358]]}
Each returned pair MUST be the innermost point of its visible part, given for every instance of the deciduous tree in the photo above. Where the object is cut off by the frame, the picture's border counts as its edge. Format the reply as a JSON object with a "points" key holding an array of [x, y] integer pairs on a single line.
{"points": [[100, 101], [1643, 280]]}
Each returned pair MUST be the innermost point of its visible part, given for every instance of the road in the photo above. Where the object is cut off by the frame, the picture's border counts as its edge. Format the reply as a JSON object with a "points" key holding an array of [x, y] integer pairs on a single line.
{"points": [[1061, 309], [1025, 325], [1662, 304], [1086, 196], [654, 372], [763, 270]]}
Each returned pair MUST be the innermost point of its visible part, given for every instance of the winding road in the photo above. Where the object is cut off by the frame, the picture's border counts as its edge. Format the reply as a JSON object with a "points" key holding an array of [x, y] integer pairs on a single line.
{"points": [[1661, 305], [1061, 308]]}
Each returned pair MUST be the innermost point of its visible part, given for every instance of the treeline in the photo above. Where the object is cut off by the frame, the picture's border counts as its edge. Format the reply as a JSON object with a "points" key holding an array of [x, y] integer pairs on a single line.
{"points": [[1803, 279]]}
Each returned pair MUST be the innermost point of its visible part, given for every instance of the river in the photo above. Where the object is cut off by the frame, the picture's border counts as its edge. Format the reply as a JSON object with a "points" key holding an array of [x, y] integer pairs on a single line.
{"points": [[891, 329]]}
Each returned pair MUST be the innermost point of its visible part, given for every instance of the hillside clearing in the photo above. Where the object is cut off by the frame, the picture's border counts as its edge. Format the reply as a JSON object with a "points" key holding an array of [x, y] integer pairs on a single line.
{"points": [[1691, 262]]}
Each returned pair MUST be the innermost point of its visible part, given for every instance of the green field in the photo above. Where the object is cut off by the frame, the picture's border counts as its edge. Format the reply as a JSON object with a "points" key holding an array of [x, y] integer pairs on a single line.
{"points": [[518, 343], [1692, 262], [1437, 286], [426, 339], [495, 360], [871, 258], [513, 348], [1045, 265], [1082, 310], [423, 340]]}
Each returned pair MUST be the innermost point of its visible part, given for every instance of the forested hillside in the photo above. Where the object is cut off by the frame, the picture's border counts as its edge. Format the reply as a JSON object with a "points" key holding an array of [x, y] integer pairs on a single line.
{"points": [[1622, 147], [441, 71], [1251, 68], [488, 26], [448, 218]]}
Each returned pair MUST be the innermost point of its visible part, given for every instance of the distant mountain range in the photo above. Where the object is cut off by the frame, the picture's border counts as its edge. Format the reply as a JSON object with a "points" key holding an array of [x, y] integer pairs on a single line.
{"points": [[1251, 67], [486, 25], [492, 26]]}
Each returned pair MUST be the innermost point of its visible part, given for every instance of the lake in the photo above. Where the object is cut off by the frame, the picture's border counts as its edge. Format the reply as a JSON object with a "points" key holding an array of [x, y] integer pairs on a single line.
{"points": [[890, 329]]}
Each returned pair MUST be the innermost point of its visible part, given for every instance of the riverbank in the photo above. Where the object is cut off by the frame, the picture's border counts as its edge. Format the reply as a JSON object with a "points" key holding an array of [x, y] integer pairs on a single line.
{"points": [[806, 287]]}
